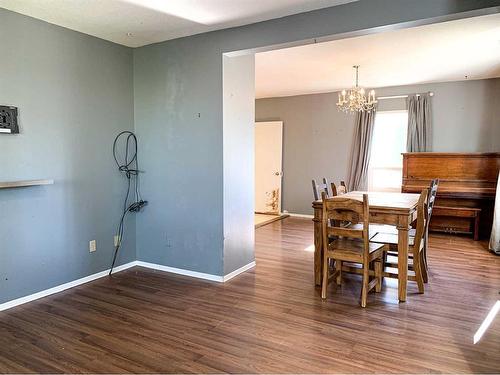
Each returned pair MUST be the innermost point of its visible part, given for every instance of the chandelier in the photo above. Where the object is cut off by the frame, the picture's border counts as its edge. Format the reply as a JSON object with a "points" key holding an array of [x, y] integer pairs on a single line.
{"points": [[355, 99]]}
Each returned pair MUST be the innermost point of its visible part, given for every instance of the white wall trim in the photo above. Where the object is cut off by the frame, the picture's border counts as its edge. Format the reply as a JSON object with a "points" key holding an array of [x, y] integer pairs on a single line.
{"points": [[246, 267], [62, 287], [95, 276], [198, 275], [181, 271], [301, 215]]}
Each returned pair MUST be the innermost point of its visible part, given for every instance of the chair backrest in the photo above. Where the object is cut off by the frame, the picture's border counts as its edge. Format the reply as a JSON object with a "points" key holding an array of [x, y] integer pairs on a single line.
{"points": [[342, 189], [337, 210], [334, 189], [422, 219], [431, 197], [319, 189]]}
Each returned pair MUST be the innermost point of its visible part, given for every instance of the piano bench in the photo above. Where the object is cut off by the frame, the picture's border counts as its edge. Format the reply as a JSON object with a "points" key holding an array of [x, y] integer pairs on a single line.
{"points": [[460, 212]]}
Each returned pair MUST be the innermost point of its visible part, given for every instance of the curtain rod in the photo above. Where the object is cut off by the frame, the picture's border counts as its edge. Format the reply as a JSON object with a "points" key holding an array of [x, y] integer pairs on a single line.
{"points": [[399, 96]]}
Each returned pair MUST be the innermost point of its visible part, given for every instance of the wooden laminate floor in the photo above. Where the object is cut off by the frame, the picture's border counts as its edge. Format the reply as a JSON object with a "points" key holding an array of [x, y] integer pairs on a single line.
{"points": [[268, 320]]}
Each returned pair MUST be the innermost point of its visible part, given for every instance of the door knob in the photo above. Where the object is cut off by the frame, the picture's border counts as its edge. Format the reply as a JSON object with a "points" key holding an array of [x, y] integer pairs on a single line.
{"points": [[277, 173]]}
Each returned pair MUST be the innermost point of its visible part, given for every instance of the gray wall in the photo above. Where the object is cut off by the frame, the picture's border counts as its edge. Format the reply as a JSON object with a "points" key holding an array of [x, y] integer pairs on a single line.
{"points": [[74, 93], [179, 119], [239, 161], [317, 137]]}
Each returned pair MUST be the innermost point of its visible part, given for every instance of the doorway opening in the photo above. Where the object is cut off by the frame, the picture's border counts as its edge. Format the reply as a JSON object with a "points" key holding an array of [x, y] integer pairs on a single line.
{"points": [[317, 137]]}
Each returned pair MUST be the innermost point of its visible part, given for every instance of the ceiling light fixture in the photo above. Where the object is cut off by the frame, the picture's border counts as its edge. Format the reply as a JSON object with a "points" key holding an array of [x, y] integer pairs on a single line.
{"points": [[355, 100]]}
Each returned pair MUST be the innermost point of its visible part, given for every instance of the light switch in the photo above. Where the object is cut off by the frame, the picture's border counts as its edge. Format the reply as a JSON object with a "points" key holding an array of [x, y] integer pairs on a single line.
{"points": [[92, 246]]}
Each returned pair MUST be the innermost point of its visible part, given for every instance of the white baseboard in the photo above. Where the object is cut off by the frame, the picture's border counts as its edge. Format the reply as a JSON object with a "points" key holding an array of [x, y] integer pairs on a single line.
{"points": [[95, 276], [198, 275], [60, 288], [301, 215], [181, 271], [246, 267]]}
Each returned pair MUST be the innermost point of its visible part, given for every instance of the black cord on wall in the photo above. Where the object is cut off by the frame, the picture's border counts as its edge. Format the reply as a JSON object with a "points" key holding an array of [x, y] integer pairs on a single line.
{"points": [[129, 166]]}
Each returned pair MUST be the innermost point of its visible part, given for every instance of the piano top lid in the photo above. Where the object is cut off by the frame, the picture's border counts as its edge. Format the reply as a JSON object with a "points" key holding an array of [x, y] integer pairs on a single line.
{"points": [[452, 154]]}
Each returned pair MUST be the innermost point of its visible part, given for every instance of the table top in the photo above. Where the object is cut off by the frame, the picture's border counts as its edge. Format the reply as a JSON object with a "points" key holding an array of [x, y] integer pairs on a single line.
{"points": [[382, 201]]}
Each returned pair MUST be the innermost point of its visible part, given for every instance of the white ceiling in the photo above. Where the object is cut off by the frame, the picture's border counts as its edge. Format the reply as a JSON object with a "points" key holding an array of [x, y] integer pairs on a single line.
{"points": [[435, 53], [136, 23]]}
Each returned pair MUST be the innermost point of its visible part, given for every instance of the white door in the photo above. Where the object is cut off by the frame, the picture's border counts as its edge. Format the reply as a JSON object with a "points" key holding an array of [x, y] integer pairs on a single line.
{"points": [[268, 166]]}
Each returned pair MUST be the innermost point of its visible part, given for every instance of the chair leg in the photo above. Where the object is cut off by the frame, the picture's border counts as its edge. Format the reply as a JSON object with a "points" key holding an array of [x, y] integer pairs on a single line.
{"points": [[425, 268], [417, 267], [378, 275], [364, 288], [324, 283], [339, 268]]}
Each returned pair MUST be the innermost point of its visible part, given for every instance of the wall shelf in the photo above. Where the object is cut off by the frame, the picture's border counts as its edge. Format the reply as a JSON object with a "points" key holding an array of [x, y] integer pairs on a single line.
{"points": [[24, 183]]}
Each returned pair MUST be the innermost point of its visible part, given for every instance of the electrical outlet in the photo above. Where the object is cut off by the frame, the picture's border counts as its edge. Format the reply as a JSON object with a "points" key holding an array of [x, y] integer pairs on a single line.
{"points": [[116, 239], [92, 246]]}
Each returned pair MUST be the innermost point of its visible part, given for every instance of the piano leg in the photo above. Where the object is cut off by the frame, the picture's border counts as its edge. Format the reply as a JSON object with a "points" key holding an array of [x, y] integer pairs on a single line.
{"points": [[476, 227]]}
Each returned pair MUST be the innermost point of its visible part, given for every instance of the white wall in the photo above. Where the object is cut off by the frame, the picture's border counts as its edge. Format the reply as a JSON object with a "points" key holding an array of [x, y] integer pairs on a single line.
{"points": [[238, 158]]}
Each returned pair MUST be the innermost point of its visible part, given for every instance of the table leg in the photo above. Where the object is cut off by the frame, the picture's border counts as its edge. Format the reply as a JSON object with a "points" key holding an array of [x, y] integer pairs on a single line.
{"points": [[318, 246], [402, 261]]}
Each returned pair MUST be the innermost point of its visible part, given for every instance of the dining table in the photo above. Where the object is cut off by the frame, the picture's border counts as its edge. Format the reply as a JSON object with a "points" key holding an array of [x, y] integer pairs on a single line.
{"points": [[397, 209]]}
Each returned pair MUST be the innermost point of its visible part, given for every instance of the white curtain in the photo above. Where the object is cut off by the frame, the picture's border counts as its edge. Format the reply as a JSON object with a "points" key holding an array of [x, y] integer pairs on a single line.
{"points": [[495, 232], [419, 123]]}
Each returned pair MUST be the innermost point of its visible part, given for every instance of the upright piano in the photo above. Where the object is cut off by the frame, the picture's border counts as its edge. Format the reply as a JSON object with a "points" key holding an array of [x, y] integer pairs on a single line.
{"points": [[466, 193]]}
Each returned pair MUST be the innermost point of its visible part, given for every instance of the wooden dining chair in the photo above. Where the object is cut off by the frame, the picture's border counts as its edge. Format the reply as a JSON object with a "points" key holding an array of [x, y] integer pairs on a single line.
{"points": [[318, 189], [416, 244], [374, 228], [350, 245], [343, 187], [334, 189], [431, 199]]}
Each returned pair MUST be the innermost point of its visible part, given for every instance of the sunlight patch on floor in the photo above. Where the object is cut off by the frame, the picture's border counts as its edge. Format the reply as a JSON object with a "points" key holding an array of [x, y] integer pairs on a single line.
{"points": [[310, 248], [486, 322]]}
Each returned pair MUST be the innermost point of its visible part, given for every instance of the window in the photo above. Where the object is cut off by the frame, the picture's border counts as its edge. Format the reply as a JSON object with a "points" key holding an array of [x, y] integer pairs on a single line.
{"points": [[385, 170]]}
